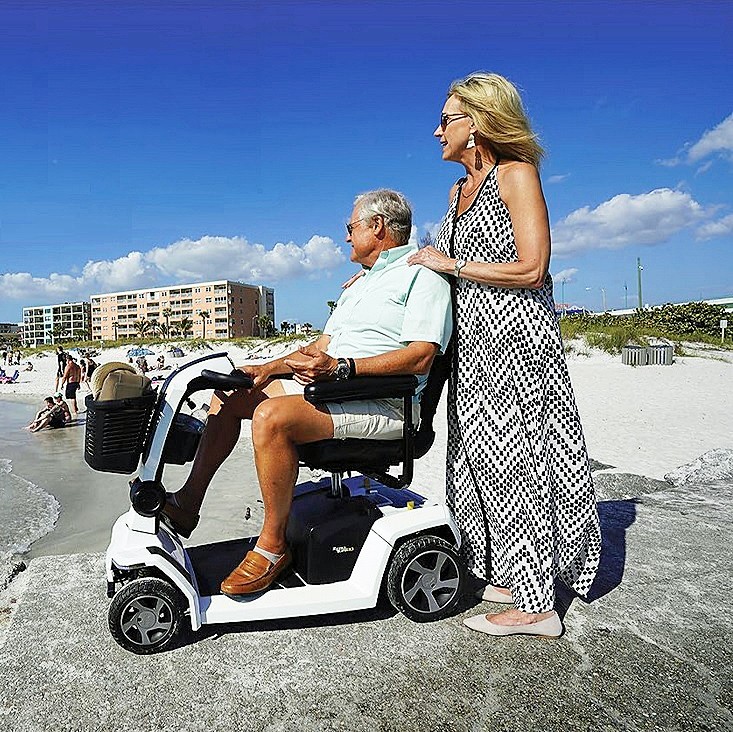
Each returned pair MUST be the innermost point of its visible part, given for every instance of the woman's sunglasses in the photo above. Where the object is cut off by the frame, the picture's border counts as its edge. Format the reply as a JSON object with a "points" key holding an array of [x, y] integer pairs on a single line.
{"points": [[446, 119]]}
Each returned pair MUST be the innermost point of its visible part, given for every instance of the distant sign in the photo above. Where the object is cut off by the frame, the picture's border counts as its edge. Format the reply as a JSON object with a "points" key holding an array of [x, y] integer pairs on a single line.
{"points": [[723, 324]]}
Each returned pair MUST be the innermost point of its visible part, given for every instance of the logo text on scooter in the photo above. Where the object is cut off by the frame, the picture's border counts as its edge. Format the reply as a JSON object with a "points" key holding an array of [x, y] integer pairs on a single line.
{"points": [[342, 549]]}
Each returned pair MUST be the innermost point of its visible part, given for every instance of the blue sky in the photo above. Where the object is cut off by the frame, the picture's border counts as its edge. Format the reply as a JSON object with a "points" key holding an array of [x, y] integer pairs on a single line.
{"points": [[147, 143]]}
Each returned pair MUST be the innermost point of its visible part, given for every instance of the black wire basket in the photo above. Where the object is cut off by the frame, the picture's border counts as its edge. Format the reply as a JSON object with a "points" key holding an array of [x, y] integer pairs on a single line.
{"points": [[116, 431]]}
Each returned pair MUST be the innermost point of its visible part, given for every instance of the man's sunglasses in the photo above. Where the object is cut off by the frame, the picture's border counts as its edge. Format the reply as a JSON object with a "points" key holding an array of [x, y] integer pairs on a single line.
{"points": [[446, 119], [350, 227]]}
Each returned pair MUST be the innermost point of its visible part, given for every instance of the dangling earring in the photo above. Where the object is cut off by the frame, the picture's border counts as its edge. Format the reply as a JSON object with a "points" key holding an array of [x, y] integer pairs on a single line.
{"points": [[471, 142], [479, 161]]}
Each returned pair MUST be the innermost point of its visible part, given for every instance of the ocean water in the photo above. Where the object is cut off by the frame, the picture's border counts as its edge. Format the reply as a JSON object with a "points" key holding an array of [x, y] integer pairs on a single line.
{"points": [[27, 511]]}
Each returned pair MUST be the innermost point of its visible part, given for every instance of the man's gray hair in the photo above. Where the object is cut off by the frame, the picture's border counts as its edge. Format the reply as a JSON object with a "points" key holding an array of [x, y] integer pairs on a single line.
{"points": [[392, 206]]}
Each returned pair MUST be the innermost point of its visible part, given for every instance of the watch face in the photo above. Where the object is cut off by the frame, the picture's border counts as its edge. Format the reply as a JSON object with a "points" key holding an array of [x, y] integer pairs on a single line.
{"points": [[342, 370]]}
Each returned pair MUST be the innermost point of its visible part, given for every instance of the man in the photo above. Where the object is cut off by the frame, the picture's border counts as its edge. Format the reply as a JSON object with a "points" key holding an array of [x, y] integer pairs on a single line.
{"points": [[72, 379], [391, 321]]}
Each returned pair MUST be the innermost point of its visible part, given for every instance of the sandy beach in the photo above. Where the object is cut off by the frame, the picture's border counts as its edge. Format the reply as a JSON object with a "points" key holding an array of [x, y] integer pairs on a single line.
{"points": [[646, 421]]}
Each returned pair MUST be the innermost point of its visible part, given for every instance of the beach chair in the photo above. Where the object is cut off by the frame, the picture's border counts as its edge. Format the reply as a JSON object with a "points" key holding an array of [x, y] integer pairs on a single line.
{"points": [[10, 379]]}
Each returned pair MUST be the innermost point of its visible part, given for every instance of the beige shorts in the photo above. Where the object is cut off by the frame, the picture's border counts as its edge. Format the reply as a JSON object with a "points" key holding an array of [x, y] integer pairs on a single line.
{"points": [[381, 419]]}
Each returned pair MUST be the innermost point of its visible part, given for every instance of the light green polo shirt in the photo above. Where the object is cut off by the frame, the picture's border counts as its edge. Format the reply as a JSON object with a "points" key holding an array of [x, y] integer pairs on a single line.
{"points": [[392, 305]]}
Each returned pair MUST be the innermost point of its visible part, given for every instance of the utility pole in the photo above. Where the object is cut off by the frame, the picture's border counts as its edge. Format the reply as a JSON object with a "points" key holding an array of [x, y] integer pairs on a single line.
{"points": [[603, 295], [564, 311], [639, 270]]}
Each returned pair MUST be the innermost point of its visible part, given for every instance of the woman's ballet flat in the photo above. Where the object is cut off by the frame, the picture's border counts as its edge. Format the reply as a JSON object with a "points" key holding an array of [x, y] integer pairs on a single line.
{"points": [[491, 594], [549, 627]]}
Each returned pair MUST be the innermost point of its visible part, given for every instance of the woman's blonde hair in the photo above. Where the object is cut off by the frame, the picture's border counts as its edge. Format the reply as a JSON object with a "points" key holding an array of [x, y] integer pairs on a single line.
{"points": [[494, 105]]}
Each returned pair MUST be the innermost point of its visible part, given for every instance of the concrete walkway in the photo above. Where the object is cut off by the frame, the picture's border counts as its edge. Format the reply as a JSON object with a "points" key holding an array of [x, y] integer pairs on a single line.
{"points": [[652, 651]]}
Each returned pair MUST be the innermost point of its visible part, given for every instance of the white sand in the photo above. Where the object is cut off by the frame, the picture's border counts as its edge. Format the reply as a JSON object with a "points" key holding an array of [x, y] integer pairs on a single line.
{"points": [[646, 420]]}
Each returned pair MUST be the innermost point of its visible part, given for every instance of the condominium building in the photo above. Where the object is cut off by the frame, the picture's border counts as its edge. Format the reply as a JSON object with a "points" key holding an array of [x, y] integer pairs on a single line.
{"points": [[234, 310], [51, 323]]}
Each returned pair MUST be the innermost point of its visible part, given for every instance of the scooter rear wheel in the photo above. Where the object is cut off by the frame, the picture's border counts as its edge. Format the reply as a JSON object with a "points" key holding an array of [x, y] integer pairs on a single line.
{"points": [[146, 615], [425, 579]]}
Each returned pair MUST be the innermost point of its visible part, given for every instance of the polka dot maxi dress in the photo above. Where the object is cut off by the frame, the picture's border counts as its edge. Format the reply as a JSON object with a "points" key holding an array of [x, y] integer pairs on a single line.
{"points": [[518, 477]]}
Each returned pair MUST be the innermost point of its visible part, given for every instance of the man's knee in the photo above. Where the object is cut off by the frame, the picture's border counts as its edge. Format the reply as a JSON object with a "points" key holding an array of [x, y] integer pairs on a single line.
{"points": [[271, 418]]}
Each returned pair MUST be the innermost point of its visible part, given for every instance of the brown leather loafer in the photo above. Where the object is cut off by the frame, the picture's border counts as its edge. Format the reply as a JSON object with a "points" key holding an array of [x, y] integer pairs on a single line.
{"points": [[254, 574], [180, 521]]}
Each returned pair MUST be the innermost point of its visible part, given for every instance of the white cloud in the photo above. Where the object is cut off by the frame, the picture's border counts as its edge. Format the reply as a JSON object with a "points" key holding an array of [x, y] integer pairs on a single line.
{"points": [[718, 140], [625, 220], [565, 275], [208, 258], [721, 227], [558, 178]]}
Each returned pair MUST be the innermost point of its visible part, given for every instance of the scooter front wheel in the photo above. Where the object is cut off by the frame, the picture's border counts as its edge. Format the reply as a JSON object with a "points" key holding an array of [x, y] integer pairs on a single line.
{"points": [[425, 579], [146, 615]]}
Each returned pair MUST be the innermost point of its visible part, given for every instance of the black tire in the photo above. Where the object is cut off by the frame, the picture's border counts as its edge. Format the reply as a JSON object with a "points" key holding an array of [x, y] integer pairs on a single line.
{"points": [[146, 615], [425, 579]]}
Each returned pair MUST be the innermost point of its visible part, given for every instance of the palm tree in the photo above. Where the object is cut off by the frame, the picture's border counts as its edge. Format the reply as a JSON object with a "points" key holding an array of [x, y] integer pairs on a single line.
{"points": [[185, 326], [265, 323], [204, 317], [142, 327], [307, 327], [426, 240], [58, 331], [115, 325], [167, 312], [331, 305], [155, 327], [285, 327]]}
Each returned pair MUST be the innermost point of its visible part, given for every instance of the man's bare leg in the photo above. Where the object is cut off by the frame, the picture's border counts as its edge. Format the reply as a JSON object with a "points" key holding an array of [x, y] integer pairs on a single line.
{"points": [[223, 427], [278, 426]]}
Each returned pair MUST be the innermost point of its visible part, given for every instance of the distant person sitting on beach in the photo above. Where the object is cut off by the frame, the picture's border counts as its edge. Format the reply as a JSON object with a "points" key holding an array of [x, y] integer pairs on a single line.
{"points": [[52, 415], [142, 364], [160, 363], [61, 359], [29, 366], [72, 379], [63, 406]]}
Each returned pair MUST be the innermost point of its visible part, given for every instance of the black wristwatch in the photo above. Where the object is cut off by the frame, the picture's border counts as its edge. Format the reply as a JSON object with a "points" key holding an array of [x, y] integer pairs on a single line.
{"points": [[343, 369]]}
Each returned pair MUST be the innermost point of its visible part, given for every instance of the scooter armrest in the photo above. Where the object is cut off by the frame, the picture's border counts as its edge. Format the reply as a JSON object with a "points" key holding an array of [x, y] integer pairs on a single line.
{"points": [[361, 387], [226, 382]]}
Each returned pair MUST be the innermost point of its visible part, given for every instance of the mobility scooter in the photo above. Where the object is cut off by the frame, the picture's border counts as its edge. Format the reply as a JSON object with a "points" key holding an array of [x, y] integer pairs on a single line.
{"points": [[353, 539]]}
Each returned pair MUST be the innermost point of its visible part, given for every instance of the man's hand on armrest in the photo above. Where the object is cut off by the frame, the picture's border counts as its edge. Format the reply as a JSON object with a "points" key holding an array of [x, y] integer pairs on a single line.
{"points": [[310, 364], [262, 373]]}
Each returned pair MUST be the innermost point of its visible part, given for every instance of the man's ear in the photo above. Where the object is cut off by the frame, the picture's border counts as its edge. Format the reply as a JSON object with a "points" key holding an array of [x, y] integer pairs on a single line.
{"points": [[380, 230]]}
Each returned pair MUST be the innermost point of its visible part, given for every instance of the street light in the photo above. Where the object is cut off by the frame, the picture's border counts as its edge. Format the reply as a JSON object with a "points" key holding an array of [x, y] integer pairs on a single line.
{"points": [[639, 270]]}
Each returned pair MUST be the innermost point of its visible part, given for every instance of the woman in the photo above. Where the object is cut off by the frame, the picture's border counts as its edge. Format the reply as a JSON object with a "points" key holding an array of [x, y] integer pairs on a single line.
{"points": [[518, 478]]}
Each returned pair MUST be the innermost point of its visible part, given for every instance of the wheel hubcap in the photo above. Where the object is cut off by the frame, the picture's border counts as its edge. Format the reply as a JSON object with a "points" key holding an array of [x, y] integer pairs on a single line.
{"points": [[430, 581], [147, 620]]}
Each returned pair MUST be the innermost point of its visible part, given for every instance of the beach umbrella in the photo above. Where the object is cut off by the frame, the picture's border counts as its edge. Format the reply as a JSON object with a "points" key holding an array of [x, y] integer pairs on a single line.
{"points": [[139, 351]]}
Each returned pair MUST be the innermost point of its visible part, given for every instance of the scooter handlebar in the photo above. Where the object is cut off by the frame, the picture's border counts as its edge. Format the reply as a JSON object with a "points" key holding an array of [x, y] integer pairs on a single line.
{"points": [[227, 382]]}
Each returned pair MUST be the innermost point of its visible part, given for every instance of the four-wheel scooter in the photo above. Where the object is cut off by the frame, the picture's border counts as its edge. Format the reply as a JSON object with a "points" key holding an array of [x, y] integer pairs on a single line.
{"points": [[352, 538]]}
